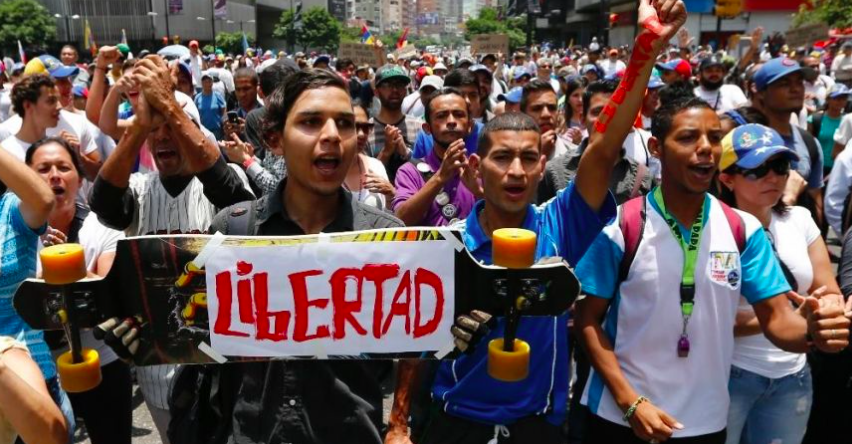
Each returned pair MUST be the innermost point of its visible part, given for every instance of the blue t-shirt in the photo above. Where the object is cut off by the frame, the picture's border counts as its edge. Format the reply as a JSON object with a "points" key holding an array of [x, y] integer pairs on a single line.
{"points": [[423, 144], [211, 108], [810, 169], [565, 226], [20, 246]]}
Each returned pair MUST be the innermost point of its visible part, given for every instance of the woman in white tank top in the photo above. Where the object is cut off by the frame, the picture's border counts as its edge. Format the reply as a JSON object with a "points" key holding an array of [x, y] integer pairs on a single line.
{"points": [[771, 389]]}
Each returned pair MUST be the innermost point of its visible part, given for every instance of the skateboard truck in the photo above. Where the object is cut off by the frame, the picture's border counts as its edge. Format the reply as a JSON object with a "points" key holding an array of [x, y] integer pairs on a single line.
{"points": [[513, 248], [79, 369]]}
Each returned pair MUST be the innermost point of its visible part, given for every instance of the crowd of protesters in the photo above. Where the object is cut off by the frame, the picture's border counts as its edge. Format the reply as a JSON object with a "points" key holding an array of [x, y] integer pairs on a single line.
{"points": [[693, 192]]}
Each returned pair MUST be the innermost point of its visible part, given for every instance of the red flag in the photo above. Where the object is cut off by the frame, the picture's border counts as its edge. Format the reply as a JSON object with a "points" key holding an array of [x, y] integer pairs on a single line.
{"points": [[403, 39]]}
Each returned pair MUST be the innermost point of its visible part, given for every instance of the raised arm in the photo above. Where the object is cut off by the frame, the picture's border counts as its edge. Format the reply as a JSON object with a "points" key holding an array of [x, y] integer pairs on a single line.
{"points": [[658, 25], [26, 403], [109, 122], [106, 56], [36, 197], [157, 84]]}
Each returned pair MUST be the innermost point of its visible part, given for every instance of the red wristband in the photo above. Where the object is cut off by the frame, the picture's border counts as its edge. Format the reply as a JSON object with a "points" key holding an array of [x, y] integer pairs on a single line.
{"points": [[249, 162]]}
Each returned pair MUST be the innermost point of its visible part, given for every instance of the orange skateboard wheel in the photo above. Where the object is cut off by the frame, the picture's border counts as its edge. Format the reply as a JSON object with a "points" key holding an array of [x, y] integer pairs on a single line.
{"points": [[513, 248], [63, 264], [80, 377], [508, 366]]}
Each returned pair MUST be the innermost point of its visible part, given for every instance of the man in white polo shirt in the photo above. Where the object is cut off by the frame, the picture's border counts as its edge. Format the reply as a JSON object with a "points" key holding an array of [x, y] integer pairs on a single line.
{"points": [[658, 324]]}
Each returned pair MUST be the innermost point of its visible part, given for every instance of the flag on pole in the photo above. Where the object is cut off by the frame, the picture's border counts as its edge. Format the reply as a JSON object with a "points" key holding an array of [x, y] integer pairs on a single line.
{"points": [[403, 39], [89, 40], [21, 52], [123, 36], [245, 44], [366, 37]]}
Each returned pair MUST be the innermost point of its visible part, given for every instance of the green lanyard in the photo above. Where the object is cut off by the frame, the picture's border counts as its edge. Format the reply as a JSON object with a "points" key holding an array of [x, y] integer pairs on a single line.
{"points": [[690, 257]]}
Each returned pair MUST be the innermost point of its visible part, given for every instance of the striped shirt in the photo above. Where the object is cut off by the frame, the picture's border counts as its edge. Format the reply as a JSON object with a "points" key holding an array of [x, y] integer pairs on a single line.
{"points": [[156, 212]]}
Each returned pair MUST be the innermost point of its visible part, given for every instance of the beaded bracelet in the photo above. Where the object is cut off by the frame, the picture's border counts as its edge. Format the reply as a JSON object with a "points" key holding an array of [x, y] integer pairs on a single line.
{"points": [[633, 407]]}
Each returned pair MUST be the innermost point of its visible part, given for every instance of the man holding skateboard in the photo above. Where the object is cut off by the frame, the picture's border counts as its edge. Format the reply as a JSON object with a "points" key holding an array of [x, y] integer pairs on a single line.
{"points": [[192, 183], [469, 405], [297, 401]]}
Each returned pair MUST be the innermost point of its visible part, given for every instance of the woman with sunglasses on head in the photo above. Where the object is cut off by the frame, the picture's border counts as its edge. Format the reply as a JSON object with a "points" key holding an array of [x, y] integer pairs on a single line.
{"points": [[771, 389], [367, 178]]}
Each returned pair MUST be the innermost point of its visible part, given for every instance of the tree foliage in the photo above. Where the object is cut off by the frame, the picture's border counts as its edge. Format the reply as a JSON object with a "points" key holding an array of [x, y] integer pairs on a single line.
{"points": [[837, 13], [232, 42], [489, 22], [319, 29], [27, 21]]}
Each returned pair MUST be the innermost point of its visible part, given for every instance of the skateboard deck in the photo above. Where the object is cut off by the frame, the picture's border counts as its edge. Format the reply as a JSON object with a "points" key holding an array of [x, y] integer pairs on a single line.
{"points": [[163, 283]]}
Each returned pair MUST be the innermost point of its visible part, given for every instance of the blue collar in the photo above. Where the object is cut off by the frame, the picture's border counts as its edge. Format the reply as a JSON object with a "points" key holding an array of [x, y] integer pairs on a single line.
{"points": [[473, 236]]}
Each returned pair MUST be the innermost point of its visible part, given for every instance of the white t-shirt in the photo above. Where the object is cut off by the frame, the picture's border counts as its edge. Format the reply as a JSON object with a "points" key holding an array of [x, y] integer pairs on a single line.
{"points": [[793, 233], [726, 98], [844, 132], [841, 67], [16, 147], [73, 123], [413, 106], [96, 240], [636, 147], [610, 68], [5, 105], [366, 197], [644, 323]]}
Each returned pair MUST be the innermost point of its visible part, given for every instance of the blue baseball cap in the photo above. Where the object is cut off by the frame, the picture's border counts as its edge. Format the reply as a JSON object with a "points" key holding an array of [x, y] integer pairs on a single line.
{"points": [[513, 96], [655, 82], [324, 58], [47, 64], [477, 68], [838, 90], [774, 70], [521, 72], [749, 146]]}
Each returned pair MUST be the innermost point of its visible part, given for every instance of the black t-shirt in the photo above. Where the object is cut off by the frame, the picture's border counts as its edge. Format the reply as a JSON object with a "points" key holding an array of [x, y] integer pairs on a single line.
{"points": [[296, 401]]}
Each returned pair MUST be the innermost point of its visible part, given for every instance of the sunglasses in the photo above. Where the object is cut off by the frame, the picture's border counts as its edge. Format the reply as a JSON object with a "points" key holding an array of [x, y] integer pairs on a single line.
{"points": [[365, 127], [780, 166]]}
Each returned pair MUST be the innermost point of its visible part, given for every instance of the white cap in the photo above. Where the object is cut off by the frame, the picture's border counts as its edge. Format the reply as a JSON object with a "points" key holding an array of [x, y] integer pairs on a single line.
{"points": [[266, 64], [439, 66], [433, 81]]}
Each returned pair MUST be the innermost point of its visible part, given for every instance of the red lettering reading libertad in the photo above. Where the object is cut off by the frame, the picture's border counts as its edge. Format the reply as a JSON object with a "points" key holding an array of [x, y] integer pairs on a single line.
{"points": [[347, 300]]}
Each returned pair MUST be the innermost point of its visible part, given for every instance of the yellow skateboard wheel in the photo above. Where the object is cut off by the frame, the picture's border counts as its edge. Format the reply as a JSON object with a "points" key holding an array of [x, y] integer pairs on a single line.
{"points": [[63, 264], [81, 377], [508, 366], [513, 248]]}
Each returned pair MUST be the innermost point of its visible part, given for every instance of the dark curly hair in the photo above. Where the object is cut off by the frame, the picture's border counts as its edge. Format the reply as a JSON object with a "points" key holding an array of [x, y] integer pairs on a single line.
{"points": [[29, 90]]}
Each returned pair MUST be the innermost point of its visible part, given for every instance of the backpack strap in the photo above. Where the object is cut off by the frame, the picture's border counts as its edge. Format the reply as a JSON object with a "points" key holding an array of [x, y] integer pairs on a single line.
{"points": [[737, 225], [816, 123], [631, 222], [811, 143], [241, 219], [641, 171]]}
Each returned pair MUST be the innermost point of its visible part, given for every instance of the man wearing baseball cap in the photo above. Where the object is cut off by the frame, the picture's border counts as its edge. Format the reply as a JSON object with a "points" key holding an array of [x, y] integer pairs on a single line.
{"points": [[675, 70], [511, 100], [841, 67], [195, 64], [394, 133], [652, 101], [73, 127], [412, 105], [712, 88], [779, 92], [612, 64]]}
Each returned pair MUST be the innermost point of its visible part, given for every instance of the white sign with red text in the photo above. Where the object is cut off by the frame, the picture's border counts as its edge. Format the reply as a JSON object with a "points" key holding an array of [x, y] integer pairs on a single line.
{"points": [[328, 299]]}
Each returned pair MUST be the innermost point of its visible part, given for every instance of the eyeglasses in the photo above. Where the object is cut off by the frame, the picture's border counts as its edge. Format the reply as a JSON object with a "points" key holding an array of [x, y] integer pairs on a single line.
{"points": [[365, 127], [544, 66], [780, 166]]}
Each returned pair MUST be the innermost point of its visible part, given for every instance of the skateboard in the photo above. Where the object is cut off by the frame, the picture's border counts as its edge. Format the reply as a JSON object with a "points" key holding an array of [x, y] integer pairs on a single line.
{"points": [[161, 282]]}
